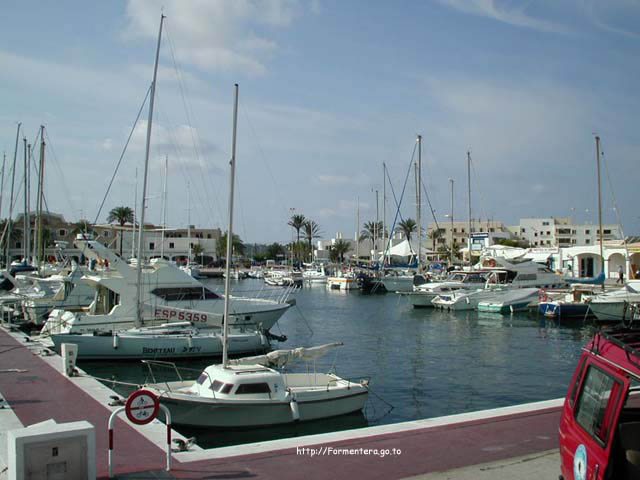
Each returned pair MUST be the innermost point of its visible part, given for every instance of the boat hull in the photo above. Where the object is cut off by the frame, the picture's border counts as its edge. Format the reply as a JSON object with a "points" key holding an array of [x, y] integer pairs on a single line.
{"points": [[398, 283], [128, 347], [343, 283], [564, 310], [219, 414]]}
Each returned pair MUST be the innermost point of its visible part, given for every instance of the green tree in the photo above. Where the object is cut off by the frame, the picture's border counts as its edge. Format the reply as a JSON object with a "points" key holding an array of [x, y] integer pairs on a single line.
{"points": [[81, 226], [273, 251], [373, 231], [121, 215], [407, 227], [197, 250], [237, 247], [434, 235], [311, 231], [297, 222]]}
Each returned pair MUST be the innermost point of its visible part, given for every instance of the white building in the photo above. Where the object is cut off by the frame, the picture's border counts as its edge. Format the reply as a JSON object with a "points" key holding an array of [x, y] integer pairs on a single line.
{"points": [[561, 232]]}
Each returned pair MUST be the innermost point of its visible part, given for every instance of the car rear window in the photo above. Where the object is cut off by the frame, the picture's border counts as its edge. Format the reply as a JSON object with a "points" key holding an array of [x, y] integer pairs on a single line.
{"points": [[596, 403]]}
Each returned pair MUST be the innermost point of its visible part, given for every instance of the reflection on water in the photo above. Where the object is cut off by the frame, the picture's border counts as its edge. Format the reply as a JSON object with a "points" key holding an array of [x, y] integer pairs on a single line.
{"points": [[424, 362]]}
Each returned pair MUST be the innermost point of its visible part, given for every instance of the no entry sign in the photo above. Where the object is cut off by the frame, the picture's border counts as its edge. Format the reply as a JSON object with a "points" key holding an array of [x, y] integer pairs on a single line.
{"points": [[142, 407]]}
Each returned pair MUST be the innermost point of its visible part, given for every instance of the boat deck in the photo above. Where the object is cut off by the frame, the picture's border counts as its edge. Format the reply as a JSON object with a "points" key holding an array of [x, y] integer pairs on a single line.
{"points": [[503, 440]]}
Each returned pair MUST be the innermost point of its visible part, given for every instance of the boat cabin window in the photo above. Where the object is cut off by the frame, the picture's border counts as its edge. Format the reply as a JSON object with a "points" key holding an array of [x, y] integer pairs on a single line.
{"points": [[216, 385], [594, 409], [170, 294], [227, 388], [456, 277], [202, 378], [104, 301], [247, 388], [474, 278]]}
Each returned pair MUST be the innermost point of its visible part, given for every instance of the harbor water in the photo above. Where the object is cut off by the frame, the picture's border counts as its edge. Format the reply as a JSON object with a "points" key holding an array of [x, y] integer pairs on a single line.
{"points": [[421, 363]]}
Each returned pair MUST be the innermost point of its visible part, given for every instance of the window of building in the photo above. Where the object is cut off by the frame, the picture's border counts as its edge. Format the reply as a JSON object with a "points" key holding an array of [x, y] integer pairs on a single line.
{"points": [[545, 223], [607, 232], [535, 243], [548, 242], [208, 235], [248, 388], [455, 240], [573, 232], [152, 246], [548, 232], [18, 245], [588, 241], [587, 232], [492, 229], [62, 232], [455, 230], [462, 230], [522, 230], [171, 245], [535, 234]]}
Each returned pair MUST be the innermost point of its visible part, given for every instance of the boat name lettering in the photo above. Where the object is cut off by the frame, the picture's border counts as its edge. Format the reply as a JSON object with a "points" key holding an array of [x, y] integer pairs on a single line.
{"points": [[191, 349], [158, 350], [171, 314]]}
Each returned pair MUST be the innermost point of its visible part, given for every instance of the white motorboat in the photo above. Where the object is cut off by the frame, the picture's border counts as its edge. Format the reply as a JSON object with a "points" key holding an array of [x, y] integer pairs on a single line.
{"points": [[509, 301], [247, 393], [192, 269], [343, 281], [613, 306], [422, 295], [315, 275], [172, 340], [163, 285], [463, 299], [402, 282]]}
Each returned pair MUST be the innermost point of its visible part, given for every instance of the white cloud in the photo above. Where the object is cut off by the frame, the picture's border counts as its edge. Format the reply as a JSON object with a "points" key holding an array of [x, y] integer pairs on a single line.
{"points": [[215, 35], [504, 11], [107, 144]]}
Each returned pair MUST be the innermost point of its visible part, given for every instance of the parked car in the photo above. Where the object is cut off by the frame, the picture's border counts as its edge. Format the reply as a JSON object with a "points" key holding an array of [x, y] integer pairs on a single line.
{"points": [[600, 424]]}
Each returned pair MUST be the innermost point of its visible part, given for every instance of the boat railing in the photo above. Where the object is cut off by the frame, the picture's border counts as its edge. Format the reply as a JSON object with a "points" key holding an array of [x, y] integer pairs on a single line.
{"points": [[172, 366], [278, 295], [360, 380]]}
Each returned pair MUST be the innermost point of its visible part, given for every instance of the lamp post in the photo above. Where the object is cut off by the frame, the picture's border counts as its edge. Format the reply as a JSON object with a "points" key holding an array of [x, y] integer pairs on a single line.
{"points": [[291, 210]]}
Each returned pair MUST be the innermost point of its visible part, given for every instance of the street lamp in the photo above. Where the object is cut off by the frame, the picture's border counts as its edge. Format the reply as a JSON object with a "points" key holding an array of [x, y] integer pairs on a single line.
{"points": [[291, 210]]}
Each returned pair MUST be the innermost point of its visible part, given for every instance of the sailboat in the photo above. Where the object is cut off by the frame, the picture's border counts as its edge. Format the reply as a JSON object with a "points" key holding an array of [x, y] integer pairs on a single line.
{"points": [[170, 340], [246, 392]]}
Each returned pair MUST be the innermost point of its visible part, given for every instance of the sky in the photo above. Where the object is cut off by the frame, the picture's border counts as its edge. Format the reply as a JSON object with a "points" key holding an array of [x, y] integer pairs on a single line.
{"points": [[328, 91]]}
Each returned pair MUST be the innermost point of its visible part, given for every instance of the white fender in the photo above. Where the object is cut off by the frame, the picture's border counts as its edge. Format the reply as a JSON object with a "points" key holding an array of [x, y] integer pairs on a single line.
{"points": [[190, 341], [115, 341], [295, 410]]}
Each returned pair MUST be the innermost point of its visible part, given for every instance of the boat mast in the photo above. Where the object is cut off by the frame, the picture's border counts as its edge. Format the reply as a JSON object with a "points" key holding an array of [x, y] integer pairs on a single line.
{"points": [[469, 185], [189, 220], [600, 207], [164, 204], [384, 213], [40, 249], [227, 280], [451, 250], [419, 200], [25, 217], [135, 211], [13, 178], [144, 181], [30, 250], [357, 229], [4, 162]]}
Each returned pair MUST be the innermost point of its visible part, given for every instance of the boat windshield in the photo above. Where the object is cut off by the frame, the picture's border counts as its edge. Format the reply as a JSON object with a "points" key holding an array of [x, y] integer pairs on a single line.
{"points": [[172, 294]]}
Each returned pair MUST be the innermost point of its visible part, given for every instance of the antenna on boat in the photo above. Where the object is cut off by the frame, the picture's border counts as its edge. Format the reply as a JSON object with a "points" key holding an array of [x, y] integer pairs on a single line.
{"points": [[227, 280], [13, 177], [419, 200], [144, 181], [469, 185]]}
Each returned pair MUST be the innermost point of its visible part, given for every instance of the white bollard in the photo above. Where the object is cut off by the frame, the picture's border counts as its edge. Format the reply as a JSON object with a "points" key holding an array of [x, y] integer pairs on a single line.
{"points": [[69, 353]]}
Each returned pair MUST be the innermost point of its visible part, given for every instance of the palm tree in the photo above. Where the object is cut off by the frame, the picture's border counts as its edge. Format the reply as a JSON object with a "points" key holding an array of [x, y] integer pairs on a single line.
{"points": [[81, 226], [407, 227], [373, 231], [197, 250], [121, 215], [311, 231], [434, 235], [340, 248], [237, 246], [297, 222]]}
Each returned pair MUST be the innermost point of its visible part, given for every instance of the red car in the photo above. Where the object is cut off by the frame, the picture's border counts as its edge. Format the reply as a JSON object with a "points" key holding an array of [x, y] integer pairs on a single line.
{"points": [[600, 425]]}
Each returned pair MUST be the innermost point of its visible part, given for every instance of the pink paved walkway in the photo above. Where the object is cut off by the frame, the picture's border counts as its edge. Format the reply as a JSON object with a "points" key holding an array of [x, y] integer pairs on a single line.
{"points": [[43, 393]]}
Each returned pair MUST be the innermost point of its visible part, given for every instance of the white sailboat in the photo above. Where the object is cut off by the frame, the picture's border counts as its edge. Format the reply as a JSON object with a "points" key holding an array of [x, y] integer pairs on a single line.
{"points": [[246, 393], [180, 339]]}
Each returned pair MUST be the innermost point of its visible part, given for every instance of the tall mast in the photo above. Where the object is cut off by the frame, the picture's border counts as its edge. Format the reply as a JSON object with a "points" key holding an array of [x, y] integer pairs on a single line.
{"points": [[144, 181], [469, 185], [13, 178], [135, 211], [384, 213], [189, 219], [25, 217], [357, 229], [451, 250], [30, 250], [40, 249], [164, 204], [419, 200], [377, 229], [599, 207], [4, 162], [227, 279]]}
